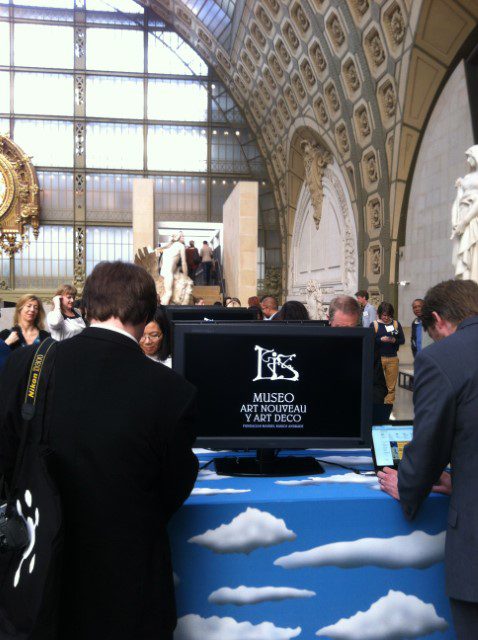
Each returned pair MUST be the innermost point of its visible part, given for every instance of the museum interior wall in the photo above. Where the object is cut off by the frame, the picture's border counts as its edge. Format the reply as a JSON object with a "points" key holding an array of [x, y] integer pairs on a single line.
{"points": [[426, 257]]}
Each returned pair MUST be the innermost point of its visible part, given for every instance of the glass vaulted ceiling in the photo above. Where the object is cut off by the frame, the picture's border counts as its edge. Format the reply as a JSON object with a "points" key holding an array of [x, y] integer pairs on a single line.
{"points": [[218, 16]]}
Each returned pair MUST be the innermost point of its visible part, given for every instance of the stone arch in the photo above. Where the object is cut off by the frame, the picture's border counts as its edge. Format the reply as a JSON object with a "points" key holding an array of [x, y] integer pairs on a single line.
{"points": [[322, 229], [426, 68]]}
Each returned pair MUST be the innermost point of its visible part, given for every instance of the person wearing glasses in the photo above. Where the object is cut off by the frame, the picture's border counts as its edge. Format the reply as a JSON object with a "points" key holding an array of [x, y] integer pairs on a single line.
{"points": [[156, 341]]}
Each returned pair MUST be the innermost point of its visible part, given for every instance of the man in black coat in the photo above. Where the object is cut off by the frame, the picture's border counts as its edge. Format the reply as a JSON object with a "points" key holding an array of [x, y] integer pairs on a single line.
{"points": [[121, 431], [446, 430]]}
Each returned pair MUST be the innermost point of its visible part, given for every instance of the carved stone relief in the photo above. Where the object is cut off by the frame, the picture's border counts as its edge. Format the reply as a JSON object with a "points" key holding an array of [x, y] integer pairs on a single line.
{"points": [[291, 36], [374, 47], [370, 165], [243, 73], [351, 76], [321, 112], [241, 85], [274, 6], [299, 17], [394, 25], [336, 31], [375, 297], [299, 87], [360, 7], [316, 158], [308, 74], [269, 79], [332, 98], [374, 261], [283, 53], [258, 36], [342, 138], [264, 18], [387, 100], [205, 38], [318, 58], [362, 121], [248, 62], [253, 50], [184, 16], [278, 120], [374, 215], [275, 66], [291, 100], [223, 60], [283, 109], [260, 101], [264, 91]]}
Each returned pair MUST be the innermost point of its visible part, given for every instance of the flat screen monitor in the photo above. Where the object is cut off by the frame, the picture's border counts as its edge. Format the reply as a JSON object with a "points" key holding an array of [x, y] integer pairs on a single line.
{"points": [[266, 385], [204, 313]]}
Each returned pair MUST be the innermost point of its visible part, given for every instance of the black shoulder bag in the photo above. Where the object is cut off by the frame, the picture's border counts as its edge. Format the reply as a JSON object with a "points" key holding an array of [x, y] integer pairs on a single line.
{"points": [[31, 534]]}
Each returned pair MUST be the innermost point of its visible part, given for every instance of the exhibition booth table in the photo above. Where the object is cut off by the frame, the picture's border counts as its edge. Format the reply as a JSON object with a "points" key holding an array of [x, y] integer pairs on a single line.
{"points": [[327, 556]]}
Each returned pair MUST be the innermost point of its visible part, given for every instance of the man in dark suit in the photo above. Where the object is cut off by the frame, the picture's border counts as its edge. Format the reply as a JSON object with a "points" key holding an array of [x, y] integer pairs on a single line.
{"points": [[345, 311], [446, 430], [121, 429]]}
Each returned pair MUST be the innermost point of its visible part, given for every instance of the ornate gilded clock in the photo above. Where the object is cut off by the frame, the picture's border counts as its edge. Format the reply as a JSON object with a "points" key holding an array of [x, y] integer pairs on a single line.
{"points": [[19, 197]]}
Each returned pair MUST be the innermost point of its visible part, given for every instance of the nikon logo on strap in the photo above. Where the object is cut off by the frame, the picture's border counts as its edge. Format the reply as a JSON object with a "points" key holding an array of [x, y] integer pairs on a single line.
{"points": [[28, 407]]}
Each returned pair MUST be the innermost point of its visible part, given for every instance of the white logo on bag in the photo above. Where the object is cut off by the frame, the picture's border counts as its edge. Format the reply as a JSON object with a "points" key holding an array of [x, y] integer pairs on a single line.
{"points": [[278, 365], [32, 527]]}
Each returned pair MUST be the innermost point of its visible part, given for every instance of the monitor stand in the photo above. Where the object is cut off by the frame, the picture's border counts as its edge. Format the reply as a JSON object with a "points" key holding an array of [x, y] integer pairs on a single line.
{"points": [[268, 463]]}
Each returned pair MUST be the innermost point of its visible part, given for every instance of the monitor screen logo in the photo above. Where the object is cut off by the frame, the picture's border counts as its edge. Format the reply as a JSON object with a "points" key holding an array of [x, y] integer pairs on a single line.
{"points": [[275, 366]]}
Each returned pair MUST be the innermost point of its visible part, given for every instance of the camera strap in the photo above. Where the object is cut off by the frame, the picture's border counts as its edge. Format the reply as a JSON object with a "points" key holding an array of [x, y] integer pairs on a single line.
{"points": [[39, 373]]}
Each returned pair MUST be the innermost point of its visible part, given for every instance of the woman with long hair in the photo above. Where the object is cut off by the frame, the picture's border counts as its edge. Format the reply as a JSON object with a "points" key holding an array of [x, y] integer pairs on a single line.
{"points": [[28, 324], [156, 339]]}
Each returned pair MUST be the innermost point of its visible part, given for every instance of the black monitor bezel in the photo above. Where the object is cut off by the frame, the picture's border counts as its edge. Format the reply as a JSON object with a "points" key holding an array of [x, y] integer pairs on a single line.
{"points": [[266, 442], [232, 311]]}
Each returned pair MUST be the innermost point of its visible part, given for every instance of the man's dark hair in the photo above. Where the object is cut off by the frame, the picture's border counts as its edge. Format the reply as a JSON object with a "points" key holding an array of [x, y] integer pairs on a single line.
{"points": [[292, 310], [418, 300], [452, 300], [120, 290], [346, 304], [363, 293], [274, 300], [386, 307]]}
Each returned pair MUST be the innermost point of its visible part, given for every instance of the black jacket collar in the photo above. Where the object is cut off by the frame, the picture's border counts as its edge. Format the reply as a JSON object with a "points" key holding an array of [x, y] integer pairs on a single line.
{"points": [[109, 336]]}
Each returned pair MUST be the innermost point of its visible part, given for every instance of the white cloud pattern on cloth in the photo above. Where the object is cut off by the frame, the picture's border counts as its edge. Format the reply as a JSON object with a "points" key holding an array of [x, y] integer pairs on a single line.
{"points": [[418, 550], [194, 627], [393, 617], [206, 491], [253, 595], [249, 530], [340, 478]]}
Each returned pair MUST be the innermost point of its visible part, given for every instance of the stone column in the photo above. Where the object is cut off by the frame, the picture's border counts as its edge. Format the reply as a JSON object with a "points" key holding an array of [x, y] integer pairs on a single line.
{"points": [[143, 214], [240, 220]]}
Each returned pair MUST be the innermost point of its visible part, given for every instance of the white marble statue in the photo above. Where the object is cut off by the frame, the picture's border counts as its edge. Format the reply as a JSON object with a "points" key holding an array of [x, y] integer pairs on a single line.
{"points": [[172, 264], [314, 297], [464, 219]]}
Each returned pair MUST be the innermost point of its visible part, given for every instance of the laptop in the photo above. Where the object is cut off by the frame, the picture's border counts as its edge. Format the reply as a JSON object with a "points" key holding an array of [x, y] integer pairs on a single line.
{"points": [[388, 444]]}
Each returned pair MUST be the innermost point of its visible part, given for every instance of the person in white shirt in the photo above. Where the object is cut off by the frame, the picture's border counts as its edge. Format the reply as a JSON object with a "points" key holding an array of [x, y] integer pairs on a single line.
{"points": [[155, 341], [369, 313], [64, 321]]}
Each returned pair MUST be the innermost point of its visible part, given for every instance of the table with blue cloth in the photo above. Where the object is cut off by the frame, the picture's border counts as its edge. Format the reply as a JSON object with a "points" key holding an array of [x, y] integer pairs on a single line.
{"points": [[327, 556]]}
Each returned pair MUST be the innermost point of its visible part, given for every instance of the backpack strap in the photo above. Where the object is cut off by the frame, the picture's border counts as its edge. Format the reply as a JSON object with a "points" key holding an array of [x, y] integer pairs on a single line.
{"points": [[34, 398]]}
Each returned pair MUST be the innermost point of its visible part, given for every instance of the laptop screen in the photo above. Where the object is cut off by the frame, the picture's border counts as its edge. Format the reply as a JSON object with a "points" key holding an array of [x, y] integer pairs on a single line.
{"points": [[389, 442]]}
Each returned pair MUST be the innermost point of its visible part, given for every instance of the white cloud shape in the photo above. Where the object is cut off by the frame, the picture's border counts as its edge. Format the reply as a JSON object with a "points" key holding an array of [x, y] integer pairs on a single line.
{"points": [[418, 550], [194, 627], [339, 478], [206, 491], [393, 617], [253, 595], [249, 530], [207, 474], [349, 461]]}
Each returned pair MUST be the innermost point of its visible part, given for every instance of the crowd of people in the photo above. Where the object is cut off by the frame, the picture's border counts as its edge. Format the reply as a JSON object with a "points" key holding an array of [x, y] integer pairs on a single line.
{"points": [[102, 463], [67, 318]]}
